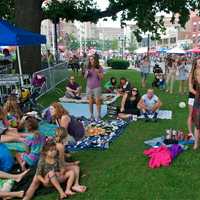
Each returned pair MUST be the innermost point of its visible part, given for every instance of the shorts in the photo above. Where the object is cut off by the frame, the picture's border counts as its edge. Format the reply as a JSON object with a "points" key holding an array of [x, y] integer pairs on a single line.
{"points": [[191, 101], [96, 92], [144, 75]]}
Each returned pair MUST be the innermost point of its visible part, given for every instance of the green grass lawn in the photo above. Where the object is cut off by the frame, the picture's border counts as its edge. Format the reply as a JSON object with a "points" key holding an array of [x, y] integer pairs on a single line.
{"points": [[121, 172]]}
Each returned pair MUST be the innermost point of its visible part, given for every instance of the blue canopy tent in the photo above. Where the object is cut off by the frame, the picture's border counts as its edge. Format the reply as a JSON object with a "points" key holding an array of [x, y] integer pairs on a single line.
{"points": [[13, 36]]}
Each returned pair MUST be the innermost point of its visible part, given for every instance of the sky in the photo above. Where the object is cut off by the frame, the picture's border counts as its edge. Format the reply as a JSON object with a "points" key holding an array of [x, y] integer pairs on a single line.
{"points": [[103, 4]]}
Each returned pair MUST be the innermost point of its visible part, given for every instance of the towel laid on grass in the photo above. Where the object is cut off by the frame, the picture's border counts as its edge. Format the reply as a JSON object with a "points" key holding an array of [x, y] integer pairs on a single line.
{"points": [[106, 99], [162, 114], [99, 141]]}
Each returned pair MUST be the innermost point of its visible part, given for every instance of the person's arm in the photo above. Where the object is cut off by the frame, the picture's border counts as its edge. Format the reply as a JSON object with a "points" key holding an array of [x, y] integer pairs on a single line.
{"points": [[141, 105], [64, 122], [99, 73], [42, 179], [123, 102], [191, 89], [69, 89], [61, 151]]}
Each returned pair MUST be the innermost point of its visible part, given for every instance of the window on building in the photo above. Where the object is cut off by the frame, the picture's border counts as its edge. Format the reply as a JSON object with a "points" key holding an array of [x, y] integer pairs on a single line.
{"points": [[194, 39], [165, 41], [194, 28], [173, 40]]}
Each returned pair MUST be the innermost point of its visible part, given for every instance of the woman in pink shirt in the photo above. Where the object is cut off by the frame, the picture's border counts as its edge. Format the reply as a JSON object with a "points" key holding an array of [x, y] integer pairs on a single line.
{"points": [[94, 75]]}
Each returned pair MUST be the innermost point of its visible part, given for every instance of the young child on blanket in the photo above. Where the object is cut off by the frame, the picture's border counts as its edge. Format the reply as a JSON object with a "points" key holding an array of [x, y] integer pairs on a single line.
{"points": [[61, 141], [34, 142]]}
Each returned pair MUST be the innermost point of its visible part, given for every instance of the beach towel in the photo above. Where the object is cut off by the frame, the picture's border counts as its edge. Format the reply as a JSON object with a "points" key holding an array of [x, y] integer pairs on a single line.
{"points": [[106, 99], [162, 114], [79, 110]]}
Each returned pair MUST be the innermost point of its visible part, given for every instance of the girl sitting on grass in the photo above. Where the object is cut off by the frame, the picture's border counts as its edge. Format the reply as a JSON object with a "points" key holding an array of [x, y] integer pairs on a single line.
{"points": [[50, 171], [34, 142], [61, 141]]}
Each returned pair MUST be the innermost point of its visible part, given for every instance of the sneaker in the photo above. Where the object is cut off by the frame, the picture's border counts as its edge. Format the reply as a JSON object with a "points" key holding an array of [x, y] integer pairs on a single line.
{"points": [[155, 117]]}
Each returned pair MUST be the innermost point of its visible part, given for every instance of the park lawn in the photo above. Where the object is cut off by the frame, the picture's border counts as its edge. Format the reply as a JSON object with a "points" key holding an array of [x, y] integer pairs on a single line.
{"points": [[121, 172]]}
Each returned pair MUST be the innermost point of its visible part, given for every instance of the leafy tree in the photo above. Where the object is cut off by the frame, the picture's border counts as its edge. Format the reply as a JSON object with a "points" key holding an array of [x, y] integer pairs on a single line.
{"points": [[133, 43], [28, 14]]}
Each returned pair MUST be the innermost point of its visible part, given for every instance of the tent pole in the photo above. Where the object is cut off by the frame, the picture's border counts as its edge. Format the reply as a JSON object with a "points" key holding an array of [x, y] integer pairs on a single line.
{"points": [[20, 67]]}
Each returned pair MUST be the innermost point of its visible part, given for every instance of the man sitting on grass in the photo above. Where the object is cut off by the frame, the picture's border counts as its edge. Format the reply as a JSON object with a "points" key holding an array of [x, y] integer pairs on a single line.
{"points": [[73, 89], [149, 104]]}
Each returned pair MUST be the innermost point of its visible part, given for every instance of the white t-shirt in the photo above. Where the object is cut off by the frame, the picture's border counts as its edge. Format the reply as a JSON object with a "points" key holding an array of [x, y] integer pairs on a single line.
{"points": [[150, 102]]}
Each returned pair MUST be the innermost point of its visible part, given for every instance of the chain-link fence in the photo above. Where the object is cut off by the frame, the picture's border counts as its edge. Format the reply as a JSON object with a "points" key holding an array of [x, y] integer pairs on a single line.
{"points": [[53, 76]]}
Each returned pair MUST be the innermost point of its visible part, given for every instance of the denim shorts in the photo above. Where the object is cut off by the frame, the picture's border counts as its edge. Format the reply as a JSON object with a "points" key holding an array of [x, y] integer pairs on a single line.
{"points": [[144, 75]]}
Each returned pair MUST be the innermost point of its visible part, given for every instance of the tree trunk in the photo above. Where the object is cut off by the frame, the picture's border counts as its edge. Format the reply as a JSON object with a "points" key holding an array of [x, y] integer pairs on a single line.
{"points": [[28, 15]]}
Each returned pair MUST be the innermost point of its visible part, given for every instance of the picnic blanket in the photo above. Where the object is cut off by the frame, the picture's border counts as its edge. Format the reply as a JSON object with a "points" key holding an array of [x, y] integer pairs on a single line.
{"points": [[113, 128], [162, 114], [106, 99], [158, 141], [45, 129], [79, 110]]}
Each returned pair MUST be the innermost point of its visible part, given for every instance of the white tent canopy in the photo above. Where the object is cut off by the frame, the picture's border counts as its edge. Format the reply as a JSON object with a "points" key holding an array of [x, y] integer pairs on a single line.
{"points": [[176, 50], [141, 50]]}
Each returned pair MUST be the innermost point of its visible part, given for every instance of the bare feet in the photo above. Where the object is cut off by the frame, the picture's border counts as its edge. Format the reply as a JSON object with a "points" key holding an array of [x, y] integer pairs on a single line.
{"points": [[69, 193], [19, 177], [63, 196], [79, 188], [195, 147], [20, 194]]}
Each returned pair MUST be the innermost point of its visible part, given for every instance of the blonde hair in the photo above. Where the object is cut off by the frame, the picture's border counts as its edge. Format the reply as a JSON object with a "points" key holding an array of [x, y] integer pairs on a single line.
{"points": [[61, 134], [11, 106]]}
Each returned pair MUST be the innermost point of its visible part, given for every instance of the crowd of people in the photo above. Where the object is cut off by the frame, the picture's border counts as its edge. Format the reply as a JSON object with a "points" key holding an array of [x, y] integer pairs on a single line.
{"points": [[48, 155]]}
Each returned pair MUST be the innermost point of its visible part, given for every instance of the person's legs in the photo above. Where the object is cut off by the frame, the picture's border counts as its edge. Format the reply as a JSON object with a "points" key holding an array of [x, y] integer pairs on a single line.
{"points": [[123, 116], [54, 181], [98, 107], [189, 119], [97, 96], [196, 142], [91, 109], [69, 94], [9, 195], [70, 176], [76, 187], [16, 177], [173, 78], [180, 87], [168, 81], [32, 188]]}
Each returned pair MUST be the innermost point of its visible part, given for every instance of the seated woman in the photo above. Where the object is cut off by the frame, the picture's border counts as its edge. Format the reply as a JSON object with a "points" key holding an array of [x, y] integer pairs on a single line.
{"points": [[111, 85], [124, 86], [73, 89], [129, 105], [64, 119]]}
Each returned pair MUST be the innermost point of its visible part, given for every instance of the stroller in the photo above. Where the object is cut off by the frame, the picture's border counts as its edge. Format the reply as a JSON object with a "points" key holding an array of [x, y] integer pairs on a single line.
{"points": [[159, 78], [28, 98]]}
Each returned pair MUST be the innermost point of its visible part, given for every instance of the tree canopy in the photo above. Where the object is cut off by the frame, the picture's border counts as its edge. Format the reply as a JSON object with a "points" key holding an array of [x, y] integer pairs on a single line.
{"points": [[142, 12]]}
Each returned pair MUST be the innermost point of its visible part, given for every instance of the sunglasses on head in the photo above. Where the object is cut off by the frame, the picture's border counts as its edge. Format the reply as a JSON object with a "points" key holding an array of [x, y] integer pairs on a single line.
{"points": [[135, 90]]}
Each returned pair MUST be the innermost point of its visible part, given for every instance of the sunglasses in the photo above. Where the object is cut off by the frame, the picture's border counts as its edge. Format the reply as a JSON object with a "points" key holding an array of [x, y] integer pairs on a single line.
{"points": [[134, 90]]}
